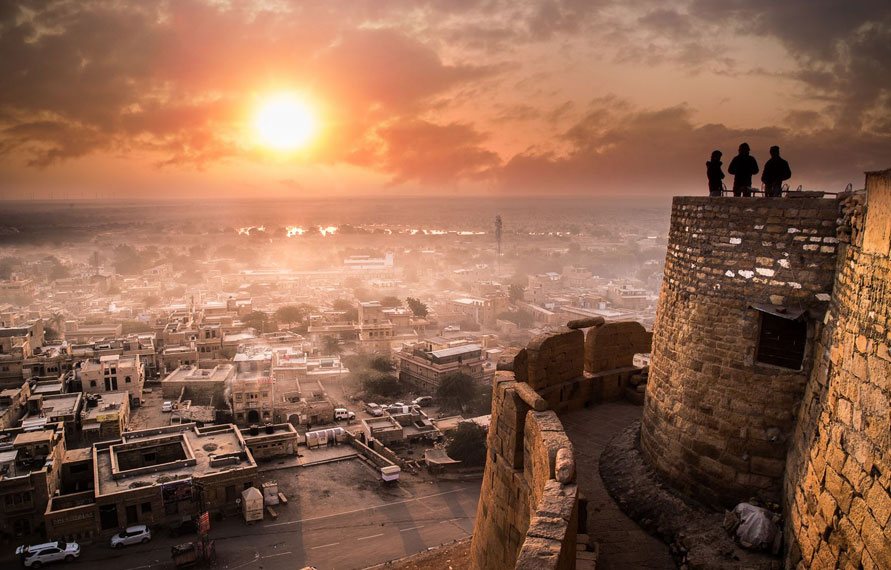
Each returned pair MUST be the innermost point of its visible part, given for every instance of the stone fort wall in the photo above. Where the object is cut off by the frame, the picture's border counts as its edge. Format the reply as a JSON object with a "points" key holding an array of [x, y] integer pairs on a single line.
{"points": [[717, 423], [528, 510], [837, 498]]}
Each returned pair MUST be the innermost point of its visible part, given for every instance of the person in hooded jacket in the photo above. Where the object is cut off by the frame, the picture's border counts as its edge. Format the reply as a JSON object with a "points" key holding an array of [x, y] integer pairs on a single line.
{"points": [[715, 174], [743, 167]]}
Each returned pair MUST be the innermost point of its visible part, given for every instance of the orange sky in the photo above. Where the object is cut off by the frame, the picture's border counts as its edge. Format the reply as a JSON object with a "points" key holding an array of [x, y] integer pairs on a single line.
{"points": [[158, 98]]}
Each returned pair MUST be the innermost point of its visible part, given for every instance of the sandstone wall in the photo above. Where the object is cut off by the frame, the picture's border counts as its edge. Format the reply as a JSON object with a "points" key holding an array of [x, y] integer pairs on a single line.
{"points": [[837, 495], [527, 515], [716, 422], [527, 512]]}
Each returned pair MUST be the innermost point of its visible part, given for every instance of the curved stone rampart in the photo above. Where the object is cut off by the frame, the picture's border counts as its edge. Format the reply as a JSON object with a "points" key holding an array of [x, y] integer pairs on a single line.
{"points": [[527, 512], [838, 487], [527, 515], [717, 422]]}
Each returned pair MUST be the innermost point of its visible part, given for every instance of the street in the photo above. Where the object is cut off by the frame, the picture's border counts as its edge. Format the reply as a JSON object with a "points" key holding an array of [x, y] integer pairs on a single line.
{"points": [[349, 538]]}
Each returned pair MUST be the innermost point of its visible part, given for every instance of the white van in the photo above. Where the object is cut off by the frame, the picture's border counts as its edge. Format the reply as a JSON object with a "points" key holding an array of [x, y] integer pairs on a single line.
{"points": [[344, 414]]}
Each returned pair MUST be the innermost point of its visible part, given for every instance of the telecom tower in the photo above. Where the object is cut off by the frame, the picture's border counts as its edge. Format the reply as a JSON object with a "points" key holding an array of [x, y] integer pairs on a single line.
{"points": [[498, 226]]}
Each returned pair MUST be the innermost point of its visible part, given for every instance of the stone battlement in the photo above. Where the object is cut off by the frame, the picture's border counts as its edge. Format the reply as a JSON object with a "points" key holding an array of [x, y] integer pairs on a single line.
{"points": [[528, 512]]}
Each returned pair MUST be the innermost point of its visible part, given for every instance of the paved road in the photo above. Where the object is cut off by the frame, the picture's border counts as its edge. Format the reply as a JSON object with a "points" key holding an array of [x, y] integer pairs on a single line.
{"points": [[353, 538]]}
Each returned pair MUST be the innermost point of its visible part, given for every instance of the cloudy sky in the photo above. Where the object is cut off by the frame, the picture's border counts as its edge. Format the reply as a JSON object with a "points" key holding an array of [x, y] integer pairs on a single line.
{"points": [[159, 98]]}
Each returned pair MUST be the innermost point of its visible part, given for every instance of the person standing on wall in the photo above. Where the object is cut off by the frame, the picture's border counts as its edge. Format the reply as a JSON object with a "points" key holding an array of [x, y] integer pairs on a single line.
{"points": [[776, 171], [715, 174], [743, 167]]}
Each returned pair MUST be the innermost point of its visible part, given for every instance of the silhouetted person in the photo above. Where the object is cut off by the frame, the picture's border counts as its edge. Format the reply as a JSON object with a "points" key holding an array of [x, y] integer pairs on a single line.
{"points": [[776, 171], [743, 167], [715, 174]]}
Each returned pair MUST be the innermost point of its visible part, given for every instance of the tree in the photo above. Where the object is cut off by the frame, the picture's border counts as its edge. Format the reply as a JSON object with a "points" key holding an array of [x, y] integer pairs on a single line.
{"points": [[468, 444], [58, 270], [350, 312], [331, 345], [150, 301], [417, 308], [390, 301], [521, 318], [292, 313], [381, 363], [257, 320], [482, 405], [378, 385], [7, 265], [455, 391], [515, 291]]}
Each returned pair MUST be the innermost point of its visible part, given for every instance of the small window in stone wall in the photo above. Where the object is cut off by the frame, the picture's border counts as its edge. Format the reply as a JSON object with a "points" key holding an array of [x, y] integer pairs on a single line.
{"points": [[781, 341]]}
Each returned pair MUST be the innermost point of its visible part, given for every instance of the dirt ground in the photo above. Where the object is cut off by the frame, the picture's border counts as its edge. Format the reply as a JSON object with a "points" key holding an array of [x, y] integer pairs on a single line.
{"points": [[455, 556]]}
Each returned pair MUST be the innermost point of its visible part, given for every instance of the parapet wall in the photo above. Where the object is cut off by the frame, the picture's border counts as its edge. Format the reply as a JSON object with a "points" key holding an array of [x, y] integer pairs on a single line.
{"points": [[717, 422], [528, 510], [838, 487]]}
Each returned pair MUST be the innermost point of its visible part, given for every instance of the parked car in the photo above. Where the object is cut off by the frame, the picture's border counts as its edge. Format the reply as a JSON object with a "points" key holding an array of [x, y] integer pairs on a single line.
{"points": [[188, 526], [344, 414], [138, 534], [374, 409], [167, 406], [399, 408], [423, 401], [37, 555]]}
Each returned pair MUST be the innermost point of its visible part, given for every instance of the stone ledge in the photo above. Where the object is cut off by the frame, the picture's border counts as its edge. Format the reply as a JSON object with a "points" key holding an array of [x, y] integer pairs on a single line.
{"points": [[695, 535]]}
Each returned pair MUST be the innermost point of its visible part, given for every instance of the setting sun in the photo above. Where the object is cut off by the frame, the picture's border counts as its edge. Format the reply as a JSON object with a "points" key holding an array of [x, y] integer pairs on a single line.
{"points": [[284, 122]]}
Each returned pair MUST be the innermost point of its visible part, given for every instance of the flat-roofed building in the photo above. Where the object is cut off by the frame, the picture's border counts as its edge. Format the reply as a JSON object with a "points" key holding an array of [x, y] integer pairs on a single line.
{"points": [[271, 441], [423, 368], [51, 409], [105, 416], [113, 373], [375, 328], [204, 386], [157, 476], [29, 476]]}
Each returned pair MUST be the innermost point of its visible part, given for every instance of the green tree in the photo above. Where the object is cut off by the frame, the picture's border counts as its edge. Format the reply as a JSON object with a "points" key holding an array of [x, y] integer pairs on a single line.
{"points": [[378, 385], [331, 345], [390, 301], [350, 312], [292, 313], [58, 270], [380, 363], [515, 291], [258, 320], [7, 265], [468, 444], [456, 390], [417, 308], [521, 318]]}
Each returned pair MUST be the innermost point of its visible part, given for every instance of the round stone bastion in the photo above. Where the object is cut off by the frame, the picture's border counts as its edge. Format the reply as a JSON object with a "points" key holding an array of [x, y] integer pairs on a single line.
{"points": [[746, 284]]}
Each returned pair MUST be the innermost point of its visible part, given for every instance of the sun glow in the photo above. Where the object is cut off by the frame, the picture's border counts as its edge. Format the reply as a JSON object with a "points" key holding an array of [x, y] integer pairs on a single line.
{"points": [[284, 122]]}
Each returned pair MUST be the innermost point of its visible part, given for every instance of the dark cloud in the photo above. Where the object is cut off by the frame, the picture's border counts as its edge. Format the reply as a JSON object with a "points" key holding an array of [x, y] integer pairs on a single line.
{"points": [[616, 149], [172, 81], [843, 49]]}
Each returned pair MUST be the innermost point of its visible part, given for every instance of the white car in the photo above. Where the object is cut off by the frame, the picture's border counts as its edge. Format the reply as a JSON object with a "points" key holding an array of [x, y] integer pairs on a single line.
{"points": [[344, 414], [374, 410], [422, 401], [37, 555], [138, 534], [167, 407]]}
